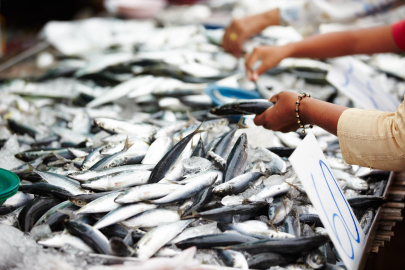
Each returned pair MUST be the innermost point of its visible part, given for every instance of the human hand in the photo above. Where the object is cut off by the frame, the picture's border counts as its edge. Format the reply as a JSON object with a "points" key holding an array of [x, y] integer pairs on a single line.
{"points": [[242, 29], [270, 56], [281, 116]]}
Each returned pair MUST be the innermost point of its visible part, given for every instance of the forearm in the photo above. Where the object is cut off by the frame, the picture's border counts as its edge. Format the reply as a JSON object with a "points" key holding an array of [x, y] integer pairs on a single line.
{"points": [[366, 41], [320, 113]]}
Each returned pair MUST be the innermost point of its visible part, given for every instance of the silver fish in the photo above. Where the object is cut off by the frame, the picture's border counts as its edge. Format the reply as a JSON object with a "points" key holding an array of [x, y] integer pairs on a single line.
{"points": [[122, 213], [118, 180], [60, 239], [158, 237], [151, 218], [146, 192], [87, 175], [100, 205]]}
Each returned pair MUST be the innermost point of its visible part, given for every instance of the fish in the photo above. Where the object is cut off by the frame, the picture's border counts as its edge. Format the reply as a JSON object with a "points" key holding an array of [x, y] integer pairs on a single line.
{"points": [[14, 202], [146, 193], [83, 199], [215, 240], [237, 184], [282, 246], [255, 106], [61, 181], [315, 259], [270, 192], [91, 236], [366, 201], [122, 213], [60, 239], [86, 175], [229, 214], [367, 220], [158, 237], [201, 199], [236, 162], [117, 180], [157, 150], [151, 218], [101, 205], [45, 189], [169, 159], [34, 210], [269, 259], [233, 258], [193, 187], [254, 228], [53, 216]]}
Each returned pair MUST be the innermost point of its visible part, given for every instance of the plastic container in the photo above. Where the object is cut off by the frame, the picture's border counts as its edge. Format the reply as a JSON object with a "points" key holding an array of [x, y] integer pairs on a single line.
{"points": [[9, 183]]}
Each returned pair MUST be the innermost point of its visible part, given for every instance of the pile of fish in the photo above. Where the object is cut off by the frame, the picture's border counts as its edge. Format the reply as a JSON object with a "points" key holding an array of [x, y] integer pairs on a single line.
{"points": [[157, 186], [123, 158]]}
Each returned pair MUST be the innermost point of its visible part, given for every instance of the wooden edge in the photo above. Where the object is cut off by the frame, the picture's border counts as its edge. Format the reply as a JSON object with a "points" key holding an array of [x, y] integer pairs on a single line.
{"points": [[369, 247]]}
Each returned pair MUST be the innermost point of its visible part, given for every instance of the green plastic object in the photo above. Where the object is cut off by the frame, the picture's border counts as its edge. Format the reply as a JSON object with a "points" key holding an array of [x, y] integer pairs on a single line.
{"points": [[9, 183]]}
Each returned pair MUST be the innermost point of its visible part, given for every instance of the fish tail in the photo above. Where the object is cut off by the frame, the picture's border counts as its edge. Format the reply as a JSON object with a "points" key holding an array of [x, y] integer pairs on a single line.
{"points": [[240, 123]]}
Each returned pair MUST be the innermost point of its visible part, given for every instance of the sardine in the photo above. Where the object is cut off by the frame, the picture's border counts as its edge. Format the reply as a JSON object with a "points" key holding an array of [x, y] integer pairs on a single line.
{"points": [[233, 258], [215, 240], [236, 162], [146, 192], [158, 237], [118, 180], [92, 237], [122, 213], [237, 185]]}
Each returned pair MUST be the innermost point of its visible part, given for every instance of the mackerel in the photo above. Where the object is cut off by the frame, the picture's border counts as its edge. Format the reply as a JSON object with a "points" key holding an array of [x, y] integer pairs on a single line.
{"points": [[146, 192], [60, 239], [233, 258], [170, 158], [100, 205], [118, 180], [92, 237], [237, 185], [193, 187], [122, 213], [86, 175], [151, 218], [158, 237], [237, 159], [254, 228]]}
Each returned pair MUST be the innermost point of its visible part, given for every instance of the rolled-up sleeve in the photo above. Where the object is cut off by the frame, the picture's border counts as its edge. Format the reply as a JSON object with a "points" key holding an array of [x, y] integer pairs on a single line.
{"points": [[373, 139]]}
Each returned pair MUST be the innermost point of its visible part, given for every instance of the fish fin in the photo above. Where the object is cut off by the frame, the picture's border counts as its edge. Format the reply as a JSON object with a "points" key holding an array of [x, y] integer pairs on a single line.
{"points": [[191, 119], [60, 157], [218, 159], [30, 167], [245, 201], [240, 123], [71, 213], [127, 145], [272, 225], [191, 216]]}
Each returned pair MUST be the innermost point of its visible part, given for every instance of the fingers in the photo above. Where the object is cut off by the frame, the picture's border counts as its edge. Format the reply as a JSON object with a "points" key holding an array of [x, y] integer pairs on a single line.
{"points": [[250, 60], [259, 71], [259, 120]]}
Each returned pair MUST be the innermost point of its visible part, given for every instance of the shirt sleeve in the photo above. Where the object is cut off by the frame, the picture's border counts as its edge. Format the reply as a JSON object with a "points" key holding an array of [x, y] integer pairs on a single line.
{"points": [[374, 139], [398, 32]]}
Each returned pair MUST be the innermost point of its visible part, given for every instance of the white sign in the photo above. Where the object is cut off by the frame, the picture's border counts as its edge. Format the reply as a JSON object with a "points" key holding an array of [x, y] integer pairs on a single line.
{"points": [[355, 80], [344, 230]]}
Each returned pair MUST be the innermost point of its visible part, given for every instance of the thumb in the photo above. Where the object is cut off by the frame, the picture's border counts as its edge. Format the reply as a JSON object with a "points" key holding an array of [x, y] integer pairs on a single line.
{"points": [[274, 99]]}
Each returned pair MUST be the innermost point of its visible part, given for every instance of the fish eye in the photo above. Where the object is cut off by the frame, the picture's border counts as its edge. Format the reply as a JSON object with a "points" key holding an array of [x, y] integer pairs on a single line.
{"points": [[80, 202]]}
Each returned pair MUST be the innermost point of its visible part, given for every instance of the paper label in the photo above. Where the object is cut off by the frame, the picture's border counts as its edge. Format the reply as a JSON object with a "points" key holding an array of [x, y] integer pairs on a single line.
{"points": [[355, 80], [344, 230]]}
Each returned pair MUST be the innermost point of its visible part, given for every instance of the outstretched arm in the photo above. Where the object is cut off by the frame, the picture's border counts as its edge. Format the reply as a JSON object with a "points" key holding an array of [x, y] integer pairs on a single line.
{"points": [[244, 28], [281, 117], [365, 41]]}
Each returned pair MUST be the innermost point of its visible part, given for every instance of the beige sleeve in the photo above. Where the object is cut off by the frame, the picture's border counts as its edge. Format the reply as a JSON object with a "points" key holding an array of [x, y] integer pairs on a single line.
{"points": [[373, 139]]}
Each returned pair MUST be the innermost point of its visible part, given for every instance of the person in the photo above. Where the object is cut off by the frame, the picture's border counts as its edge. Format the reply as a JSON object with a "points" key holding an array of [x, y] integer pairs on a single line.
{"points": [[368, 138], [306, 16]]}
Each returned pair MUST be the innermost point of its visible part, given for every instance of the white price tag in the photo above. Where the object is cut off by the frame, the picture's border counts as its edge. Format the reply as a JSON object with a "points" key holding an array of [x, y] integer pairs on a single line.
{"points": [[355, 80], [310, 165]]}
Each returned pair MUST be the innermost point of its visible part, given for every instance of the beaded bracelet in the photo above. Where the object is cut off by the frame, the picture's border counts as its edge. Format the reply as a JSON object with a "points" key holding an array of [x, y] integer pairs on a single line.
{"points": [[300, 97]]}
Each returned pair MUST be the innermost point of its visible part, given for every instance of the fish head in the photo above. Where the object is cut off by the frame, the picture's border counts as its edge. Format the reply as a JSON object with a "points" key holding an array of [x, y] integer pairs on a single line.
{"points": [[315, 259], [77, 201]]}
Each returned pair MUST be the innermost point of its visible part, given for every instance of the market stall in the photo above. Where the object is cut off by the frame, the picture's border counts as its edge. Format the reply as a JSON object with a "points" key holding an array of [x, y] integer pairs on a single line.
{"points": [[135, 148]]}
